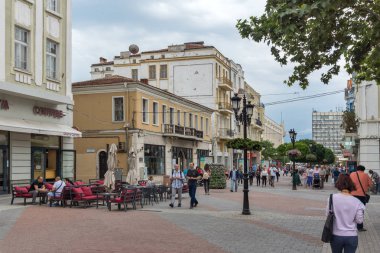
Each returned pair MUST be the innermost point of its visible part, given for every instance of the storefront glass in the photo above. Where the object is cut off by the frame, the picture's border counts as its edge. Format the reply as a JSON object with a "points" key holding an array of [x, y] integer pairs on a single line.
{"points": [[154, 157], [4, 168], [45, 156], [182, 156]]}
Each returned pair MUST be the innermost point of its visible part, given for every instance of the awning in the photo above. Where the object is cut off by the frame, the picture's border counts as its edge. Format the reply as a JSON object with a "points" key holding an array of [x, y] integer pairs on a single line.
{"points": [[37, 127]]}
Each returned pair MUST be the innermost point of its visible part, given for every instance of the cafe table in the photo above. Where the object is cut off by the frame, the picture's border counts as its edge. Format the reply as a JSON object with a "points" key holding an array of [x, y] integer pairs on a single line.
{"points": [[107, 197]]}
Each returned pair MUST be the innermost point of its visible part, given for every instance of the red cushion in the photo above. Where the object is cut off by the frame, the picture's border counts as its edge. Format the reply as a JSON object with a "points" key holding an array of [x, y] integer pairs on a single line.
{"points": [[21, 189], [87, 191], [68, 183], [100, 182], [77, 191], [117, 200], [27, 187], [77, 183], [48, 186], [27, 195], [93, 197]]}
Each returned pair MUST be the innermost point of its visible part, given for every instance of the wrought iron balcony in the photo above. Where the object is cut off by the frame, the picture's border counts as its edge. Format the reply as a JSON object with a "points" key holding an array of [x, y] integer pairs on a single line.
{"points": [[225, 107], [181, 132], [225, 83], [225, 133]]}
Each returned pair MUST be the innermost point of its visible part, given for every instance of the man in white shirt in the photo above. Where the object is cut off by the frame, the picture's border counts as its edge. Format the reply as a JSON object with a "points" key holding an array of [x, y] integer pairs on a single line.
{"points": [[273, 171], [57, 189], [177, 179]]}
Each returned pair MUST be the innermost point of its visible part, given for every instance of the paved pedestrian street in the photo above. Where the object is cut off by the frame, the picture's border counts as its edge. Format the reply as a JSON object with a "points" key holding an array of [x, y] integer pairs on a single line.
{"points": [[282, 220]]}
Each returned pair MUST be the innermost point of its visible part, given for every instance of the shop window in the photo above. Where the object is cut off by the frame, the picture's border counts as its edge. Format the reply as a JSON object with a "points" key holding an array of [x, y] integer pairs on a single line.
{"points": [[154, 158]]}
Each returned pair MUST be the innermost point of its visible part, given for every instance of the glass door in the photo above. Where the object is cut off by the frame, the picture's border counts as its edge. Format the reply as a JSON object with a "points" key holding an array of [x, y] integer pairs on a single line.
{"points": [[4, 170], [38, 162]]}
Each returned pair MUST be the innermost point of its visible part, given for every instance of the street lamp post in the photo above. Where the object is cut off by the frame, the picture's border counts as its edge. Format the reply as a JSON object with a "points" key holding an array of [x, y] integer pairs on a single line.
{"points": [[293, 136], [244, 117]]}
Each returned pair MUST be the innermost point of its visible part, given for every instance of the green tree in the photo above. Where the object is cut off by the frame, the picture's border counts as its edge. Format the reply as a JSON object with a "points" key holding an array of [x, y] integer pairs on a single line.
{"points": [[329, 156], [318, 33], [268, 151]]}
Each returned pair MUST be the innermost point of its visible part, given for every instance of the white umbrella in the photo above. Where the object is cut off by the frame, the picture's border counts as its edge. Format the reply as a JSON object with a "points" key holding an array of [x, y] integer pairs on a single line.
{"points": [[132, 168], [109, 176]]}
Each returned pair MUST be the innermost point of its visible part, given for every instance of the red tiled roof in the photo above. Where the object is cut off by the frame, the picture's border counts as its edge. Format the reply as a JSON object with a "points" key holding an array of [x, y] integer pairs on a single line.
{"points": [[104, 81]]}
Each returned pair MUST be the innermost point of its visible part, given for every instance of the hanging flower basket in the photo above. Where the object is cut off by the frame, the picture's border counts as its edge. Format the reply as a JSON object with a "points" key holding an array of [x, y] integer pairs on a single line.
{"points": [[294, 153]]}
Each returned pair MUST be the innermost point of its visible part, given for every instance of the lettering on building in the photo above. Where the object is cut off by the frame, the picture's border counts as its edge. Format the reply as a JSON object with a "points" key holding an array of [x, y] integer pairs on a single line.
{"points": [[4, 104], [48, 112]]}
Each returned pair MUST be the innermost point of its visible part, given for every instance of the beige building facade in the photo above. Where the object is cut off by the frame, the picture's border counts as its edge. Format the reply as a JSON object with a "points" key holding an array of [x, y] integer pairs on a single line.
{"points": [[273, 131], [159, 127], [36, 106]]}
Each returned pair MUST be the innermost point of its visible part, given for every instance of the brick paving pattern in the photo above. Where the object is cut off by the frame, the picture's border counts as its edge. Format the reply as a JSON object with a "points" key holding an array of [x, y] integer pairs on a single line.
{"points": [[282, 220]]}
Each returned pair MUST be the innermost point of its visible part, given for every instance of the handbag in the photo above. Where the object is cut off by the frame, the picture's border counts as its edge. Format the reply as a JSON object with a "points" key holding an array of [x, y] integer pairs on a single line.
{"points": [[367, 197], [328, 228]]}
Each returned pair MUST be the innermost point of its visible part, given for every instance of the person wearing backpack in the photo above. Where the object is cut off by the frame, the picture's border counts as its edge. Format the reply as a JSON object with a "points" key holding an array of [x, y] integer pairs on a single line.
{"points": [[177, 179]]}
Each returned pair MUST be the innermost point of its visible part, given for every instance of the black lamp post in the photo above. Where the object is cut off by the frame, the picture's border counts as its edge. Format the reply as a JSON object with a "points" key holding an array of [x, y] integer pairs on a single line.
{"points": [[293, 136], [244, 117]]}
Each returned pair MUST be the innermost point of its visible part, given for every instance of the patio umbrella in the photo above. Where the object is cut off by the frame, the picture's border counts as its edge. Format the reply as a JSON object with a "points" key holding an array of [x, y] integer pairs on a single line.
{"points": [[109, 176], [132, 177]]}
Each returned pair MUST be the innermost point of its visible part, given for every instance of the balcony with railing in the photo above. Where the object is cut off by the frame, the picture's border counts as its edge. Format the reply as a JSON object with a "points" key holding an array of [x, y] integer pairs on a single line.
{"points": [[225, 107], [181, 132], [225, 133], [225, 83]]}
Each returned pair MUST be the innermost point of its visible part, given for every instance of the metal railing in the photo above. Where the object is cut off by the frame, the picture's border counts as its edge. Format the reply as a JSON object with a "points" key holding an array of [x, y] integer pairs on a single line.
{"points": [[224, 106], [226, 133], [180, 130]]}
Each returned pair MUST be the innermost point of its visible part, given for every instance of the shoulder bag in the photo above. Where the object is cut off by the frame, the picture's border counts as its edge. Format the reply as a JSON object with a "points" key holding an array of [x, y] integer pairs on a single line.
{"points": [[328, 228], [367, 197]]}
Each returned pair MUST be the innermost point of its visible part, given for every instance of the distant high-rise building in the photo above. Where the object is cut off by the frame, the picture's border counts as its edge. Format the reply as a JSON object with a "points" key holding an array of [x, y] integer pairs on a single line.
{"points": [[327, 130]]}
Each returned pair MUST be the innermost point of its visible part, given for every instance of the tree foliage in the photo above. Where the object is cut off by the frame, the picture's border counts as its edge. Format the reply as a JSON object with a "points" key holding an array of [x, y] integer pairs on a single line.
{"points": [[349, 122], [240, 143], [318, 33]]}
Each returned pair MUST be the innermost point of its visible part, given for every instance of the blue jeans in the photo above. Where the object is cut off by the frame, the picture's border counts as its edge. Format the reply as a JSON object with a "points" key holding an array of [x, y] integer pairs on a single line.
{"points": [[348, 243], [234, 185], [192, 191]]}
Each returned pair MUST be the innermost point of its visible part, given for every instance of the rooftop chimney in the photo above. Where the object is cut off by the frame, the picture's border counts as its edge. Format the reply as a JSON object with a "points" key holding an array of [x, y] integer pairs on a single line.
{"points": [[102, 60]]}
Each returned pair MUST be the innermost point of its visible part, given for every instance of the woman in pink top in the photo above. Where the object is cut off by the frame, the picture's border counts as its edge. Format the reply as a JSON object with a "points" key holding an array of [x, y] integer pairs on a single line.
{"points": [[348, 212]]}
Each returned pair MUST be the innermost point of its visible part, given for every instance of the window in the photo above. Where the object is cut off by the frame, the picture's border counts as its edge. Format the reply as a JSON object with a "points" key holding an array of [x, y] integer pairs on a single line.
{"points": [[216, 70], [118, 108], [201, 123], [96, 70], [21, 48], [53, 5], [163, 71], [135, 74], [171, 115], [207, 126], [152, 72], [51, 59], [154, 158], [145, 111], [134, 61], [164, 114], [196, 122], [190, 120], [179, 117], [184, 119], [108, 68], [155, 113]]}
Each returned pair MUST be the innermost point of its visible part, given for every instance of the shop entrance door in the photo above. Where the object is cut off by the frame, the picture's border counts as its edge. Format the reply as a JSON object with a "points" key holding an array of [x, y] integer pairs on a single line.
{"points": [[181, 160], [102, 163], [45, 163], [4, 170]]}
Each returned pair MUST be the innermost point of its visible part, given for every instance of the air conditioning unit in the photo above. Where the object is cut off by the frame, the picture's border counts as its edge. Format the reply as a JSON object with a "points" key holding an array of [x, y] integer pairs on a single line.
{"points": [[121, 147]]}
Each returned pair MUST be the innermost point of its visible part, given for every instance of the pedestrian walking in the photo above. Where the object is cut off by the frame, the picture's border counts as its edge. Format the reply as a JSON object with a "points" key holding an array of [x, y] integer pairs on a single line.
{"points": [[234, 175], [192, 178], [251, 175], [258, 176], [335, 174], [177, 180], [206, 179], [240, 175], [322, 174], [348, 213], [362, 184], [309, 172], [328, 172], [304, 178], [375, 180], [264, 175], [278, 173], [272, 173]]}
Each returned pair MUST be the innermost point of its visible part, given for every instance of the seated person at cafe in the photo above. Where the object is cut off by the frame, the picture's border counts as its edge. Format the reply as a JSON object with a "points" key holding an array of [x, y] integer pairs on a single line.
{"points": [[150, 182], [57, 188], [37, 187]]}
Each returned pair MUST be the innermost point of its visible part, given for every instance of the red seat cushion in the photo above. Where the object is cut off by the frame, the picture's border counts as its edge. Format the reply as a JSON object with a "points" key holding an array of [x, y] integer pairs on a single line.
{"points": [[77, 183], [21, 190], [68, 183], [48, 186], [100, 182], [27, 195], [27, 187], [87, 191], [78, 193], [93, 197], [117, 200]]}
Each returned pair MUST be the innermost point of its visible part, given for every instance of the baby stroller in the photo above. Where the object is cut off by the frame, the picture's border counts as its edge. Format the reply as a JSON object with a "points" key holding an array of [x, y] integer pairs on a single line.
{"points": [[316, 181]]}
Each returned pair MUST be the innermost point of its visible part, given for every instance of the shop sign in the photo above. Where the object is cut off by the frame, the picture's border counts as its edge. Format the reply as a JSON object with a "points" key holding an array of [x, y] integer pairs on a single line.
{"points": [[4, 104], [49, 112]]}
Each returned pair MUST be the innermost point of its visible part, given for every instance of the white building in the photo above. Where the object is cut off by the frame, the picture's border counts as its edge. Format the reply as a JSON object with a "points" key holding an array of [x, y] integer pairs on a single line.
{"points": [[273, 132], [192, 70], [327, 130], [368, 115], [35, 91]]}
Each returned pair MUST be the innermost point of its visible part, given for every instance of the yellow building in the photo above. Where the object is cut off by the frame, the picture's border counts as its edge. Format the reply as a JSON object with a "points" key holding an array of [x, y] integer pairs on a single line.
{"points": [[160, 127]]}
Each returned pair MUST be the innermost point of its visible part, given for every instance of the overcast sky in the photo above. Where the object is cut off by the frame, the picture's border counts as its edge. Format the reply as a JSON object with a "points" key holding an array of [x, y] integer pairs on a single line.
{"points": [[107, 27]]}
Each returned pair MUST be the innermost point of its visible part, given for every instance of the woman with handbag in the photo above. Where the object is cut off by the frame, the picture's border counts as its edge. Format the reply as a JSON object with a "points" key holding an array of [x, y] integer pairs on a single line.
{"points": [[362, 183], [348, 211]]}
